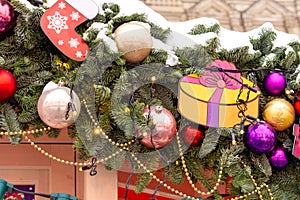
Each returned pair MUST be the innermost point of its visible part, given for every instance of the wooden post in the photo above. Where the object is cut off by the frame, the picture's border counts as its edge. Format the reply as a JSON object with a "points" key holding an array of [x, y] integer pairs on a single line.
{"points": [[102, 186]]}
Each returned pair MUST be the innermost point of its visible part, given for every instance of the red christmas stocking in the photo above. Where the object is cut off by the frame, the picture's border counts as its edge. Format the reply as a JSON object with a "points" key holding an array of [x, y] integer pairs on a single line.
{"points": [[59, 23]]}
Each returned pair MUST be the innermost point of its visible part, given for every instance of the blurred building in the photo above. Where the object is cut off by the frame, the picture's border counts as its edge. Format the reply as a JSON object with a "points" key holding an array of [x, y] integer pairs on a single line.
{"points": [[238, 15]]}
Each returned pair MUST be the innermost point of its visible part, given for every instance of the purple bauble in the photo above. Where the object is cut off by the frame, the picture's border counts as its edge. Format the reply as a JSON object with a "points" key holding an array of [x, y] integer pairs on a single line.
{"points": [[7, 17], [275, 83], [260, 138], [278, 158]]}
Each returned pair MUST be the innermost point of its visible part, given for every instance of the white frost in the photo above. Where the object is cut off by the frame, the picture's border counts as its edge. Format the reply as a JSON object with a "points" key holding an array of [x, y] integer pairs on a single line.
{"points": [[268, 58], [129, 7], [179, 36], [172, 59], [187, 26]]}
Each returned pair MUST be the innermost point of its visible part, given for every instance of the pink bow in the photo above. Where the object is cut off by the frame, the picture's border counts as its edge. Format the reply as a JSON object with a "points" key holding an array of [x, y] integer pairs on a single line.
{"points": [[220, 79]]}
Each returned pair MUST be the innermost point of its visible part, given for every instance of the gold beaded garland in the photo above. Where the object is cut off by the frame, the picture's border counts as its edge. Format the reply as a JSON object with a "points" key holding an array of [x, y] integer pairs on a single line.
{"points": [[43, 152], [257, 190], [124, 147], [25, 132]]}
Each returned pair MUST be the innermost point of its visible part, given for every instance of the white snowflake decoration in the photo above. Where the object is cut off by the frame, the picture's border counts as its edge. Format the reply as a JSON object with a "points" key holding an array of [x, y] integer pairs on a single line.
{"points": [[60, 42], [61, 5], [57, 22], [73, 42], [78, 54], [75, 16]]}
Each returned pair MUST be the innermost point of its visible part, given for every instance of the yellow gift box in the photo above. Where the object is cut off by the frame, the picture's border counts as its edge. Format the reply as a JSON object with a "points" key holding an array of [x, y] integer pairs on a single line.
{"points": [[215, 105]]}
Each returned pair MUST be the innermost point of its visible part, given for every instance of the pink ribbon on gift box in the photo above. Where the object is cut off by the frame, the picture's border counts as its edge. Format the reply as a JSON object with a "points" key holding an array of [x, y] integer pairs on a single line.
{"points": [[218, 80]]}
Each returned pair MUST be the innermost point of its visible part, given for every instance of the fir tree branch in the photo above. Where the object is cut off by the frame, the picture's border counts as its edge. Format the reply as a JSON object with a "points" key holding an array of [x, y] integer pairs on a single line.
{"points": [[210, 141], [9, 122]]}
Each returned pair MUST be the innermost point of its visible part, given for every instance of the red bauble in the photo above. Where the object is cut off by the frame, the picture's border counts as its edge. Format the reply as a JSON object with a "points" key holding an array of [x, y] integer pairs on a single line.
{"points": [[164, 129], [7, 18], [297, 105], [192, 135], [8, 85]]}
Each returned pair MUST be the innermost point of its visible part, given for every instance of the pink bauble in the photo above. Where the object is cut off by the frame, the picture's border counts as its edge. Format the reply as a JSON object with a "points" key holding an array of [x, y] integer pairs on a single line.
{"points": [[53, 107], [164, 128]]}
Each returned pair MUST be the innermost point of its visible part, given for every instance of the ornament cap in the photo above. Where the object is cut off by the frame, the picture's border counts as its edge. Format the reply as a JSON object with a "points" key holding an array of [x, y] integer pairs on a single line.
{"points": [[159, 109], [60, 83], [50, 86]]}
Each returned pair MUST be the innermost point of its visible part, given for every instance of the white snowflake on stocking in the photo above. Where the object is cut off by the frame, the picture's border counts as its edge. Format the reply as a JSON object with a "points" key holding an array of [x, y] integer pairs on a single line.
{"points": [[60, 42], [61, 5], [57, 22], [78, 54], [73, 42], [75, 16]]}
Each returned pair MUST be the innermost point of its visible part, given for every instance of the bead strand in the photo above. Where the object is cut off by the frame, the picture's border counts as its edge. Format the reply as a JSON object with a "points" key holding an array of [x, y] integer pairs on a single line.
{"points": [[188, 175], [124, 146], [154, 177], [269, 191], [257, 188], [80, 164], [98, 130], [25, 132]]}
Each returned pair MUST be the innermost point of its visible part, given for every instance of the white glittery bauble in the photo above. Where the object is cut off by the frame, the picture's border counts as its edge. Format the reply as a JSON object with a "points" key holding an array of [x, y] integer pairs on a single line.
{"points": [[53, 106], [134, 40]]}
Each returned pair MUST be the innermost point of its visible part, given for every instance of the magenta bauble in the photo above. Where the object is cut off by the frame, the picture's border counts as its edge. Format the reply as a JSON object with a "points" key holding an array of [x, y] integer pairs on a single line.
{"points": [[163, 131], [278, 158], [275, 83], [7, 18], [8, 85], [260, 138]]}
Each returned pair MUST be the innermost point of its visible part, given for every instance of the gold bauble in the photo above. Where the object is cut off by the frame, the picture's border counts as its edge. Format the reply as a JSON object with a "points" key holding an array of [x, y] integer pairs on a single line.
{"points": [[279, 113], [134, 40]]}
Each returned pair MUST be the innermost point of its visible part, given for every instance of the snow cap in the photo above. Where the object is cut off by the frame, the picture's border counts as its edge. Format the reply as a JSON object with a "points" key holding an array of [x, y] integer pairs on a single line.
{"points": [[88, 8]]}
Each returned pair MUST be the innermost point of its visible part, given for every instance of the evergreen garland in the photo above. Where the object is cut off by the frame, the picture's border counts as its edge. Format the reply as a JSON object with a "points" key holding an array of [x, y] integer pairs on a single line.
{"points": [[27, 53]]}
